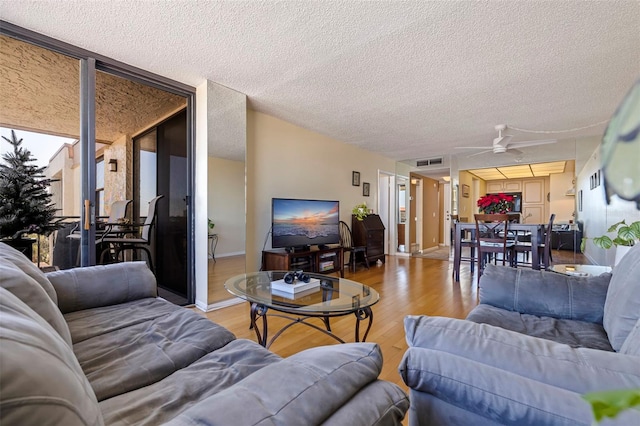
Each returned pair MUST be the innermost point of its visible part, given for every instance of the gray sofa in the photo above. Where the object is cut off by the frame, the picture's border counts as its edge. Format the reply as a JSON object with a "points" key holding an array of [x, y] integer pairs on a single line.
{"points": [[524, 356], [93, 346]]}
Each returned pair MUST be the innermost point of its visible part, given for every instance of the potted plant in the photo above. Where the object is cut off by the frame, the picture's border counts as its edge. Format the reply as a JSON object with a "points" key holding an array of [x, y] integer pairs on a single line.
{"points": [[210, 225], [624, 238], [25, 203], [495, 203], [360, 211]]}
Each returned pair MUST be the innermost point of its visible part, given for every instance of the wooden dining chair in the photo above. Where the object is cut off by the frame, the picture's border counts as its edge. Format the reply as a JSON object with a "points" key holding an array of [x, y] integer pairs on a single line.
{"points": [[544, 247], [346, 242], [467, 240], [492, 239]]}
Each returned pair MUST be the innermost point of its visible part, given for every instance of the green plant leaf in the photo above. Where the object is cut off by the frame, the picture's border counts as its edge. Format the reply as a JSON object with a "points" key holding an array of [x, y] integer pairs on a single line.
{"points": [[603, 242], [611, 403], [635, 229], [619, 241], [583, 245], [613, 227]]}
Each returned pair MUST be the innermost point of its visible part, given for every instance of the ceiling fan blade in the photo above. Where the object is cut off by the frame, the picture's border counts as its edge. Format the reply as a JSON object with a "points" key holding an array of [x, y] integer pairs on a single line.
{"points": [[470, 147], [523, 144], [514, 151], [479, 153]]}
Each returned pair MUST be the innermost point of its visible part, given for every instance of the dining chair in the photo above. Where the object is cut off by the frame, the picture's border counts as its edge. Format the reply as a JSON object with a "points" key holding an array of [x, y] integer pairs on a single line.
{"points": [[112, 227], [492, 239], [544, 247], [467, 240], [142, 240], [346, 242]]}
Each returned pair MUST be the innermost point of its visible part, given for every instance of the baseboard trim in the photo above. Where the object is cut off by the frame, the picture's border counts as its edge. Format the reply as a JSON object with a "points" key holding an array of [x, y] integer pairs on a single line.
{"points": [[218, 305]]}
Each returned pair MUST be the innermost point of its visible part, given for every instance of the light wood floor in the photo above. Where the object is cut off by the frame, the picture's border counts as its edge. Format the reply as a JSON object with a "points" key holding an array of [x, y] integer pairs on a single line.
{"points": [[407, 286]]}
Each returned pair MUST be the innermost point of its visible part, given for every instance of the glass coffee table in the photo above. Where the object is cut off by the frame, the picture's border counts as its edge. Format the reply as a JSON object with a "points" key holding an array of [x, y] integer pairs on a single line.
{"points": [[580, 270], [331, 297]]}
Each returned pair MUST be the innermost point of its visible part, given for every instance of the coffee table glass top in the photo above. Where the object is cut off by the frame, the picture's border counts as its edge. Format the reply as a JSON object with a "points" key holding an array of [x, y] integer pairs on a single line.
{"points": [[581, 270], [333, 294]]}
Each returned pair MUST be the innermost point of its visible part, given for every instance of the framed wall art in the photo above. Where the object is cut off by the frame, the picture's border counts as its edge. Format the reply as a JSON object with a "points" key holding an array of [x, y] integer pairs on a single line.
{"points": [[365, 189], [465, 191], [355, 178]]}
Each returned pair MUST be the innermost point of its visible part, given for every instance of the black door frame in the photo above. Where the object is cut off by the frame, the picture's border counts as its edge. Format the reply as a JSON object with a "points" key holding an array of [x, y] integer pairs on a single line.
{"points": [[90, 63]]}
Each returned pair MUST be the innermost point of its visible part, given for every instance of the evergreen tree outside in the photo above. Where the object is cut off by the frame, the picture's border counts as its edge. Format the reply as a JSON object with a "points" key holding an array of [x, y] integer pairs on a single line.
{"points": [[25, 203]]}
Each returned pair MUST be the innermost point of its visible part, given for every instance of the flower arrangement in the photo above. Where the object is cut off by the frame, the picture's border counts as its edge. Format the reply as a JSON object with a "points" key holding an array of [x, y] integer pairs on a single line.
{"points": [[495, 203]]}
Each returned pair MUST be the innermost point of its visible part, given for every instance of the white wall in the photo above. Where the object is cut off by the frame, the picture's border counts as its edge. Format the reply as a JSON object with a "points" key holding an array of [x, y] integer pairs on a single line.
{"points": [[596, 214], [225, 205], [284, 160]]}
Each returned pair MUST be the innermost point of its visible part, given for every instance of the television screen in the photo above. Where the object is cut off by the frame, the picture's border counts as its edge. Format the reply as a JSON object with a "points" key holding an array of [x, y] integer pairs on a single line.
{"points": [[299, 223]]}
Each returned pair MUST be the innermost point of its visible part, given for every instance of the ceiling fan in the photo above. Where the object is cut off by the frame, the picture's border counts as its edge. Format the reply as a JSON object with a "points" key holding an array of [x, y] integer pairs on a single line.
{"points": [[503, 144]]}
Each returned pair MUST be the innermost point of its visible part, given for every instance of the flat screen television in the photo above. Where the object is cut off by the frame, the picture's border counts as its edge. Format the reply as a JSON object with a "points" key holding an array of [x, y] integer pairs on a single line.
{"points": [[298, 224]]}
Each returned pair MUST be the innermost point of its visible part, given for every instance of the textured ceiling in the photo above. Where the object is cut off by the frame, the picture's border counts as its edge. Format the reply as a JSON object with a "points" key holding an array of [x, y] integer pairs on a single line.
{"points": [[40, 93], [405, 79]]}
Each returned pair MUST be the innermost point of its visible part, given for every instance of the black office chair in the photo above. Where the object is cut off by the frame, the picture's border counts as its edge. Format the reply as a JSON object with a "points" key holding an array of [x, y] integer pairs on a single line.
{"points": [[346, 242]]}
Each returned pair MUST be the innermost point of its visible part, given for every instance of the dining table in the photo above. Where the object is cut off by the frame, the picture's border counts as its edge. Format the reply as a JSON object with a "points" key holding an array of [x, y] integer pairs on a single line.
{"points": [[534, 230]]}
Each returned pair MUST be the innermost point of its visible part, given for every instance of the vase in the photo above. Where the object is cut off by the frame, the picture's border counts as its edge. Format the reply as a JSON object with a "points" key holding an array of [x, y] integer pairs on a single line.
{"points": [[621, 251]]}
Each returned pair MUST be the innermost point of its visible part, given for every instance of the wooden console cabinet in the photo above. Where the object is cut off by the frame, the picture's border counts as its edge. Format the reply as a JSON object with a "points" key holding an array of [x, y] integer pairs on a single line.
{"points": [[322, 261], [369, 232]]}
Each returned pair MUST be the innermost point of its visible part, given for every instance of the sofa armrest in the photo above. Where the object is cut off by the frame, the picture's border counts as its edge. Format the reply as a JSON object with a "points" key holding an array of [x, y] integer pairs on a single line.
{"points": [[96, 286], [305, 388], [544, 293], [579, 370], [490, 392]]}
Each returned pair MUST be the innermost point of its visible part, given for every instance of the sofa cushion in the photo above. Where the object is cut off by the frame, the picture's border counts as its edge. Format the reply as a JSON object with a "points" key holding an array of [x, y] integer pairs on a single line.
{"points": [[27, 289], [28, 267], [303, 389], [102, 285], [631, 345], [622, 307], [42, 382], [577, 334], [161, 401], [143, 341], [579, 370], [544, 293]]}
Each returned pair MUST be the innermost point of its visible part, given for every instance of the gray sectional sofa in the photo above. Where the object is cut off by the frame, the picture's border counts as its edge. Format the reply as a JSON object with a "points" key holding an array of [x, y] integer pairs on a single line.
{"points": [[93, 346], [524, 356]]}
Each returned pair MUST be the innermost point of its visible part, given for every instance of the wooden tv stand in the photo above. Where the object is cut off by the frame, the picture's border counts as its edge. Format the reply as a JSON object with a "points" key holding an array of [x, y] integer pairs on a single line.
{"points": [[323, 261]]}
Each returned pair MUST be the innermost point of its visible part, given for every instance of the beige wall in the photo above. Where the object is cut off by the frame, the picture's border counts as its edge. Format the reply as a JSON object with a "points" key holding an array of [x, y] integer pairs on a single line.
{"points": [[225, 205], [560, 203], [467, 205], [284, 160]]}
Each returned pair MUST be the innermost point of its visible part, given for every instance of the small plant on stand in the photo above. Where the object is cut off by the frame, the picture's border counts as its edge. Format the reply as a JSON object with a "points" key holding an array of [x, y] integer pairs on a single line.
{"points": [[360, 211], [210, 225]]}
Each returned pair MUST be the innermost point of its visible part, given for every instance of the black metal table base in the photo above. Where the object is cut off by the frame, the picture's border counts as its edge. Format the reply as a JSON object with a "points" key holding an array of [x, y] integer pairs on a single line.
{"points": [[260, 311]]}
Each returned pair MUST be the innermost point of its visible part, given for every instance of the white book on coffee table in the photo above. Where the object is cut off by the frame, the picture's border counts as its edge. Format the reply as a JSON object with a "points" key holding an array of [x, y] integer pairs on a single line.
{"points": [[295, 287]]}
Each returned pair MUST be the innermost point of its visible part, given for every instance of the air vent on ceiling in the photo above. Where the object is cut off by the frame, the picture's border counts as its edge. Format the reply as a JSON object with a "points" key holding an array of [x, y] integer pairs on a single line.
{"points": [[430, 162]]}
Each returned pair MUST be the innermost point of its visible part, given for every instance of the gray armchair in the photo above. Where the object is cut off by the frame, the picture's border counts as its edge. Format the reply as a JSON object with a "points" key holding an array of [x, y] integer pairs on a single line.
{"points": [[527, 353]]}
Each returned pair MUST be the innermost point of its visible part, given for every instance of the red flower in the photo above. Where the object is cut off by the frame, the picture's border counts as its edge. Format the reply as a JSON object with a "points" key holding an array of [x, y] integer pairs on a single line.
{"points": [[495, 203]]}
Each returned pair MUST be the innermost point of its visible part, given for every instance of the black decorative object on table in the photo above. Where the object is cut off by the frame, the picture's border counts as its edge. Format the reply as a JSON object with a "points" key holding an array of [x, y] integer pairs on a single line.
{"points": [[291, 277]]}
